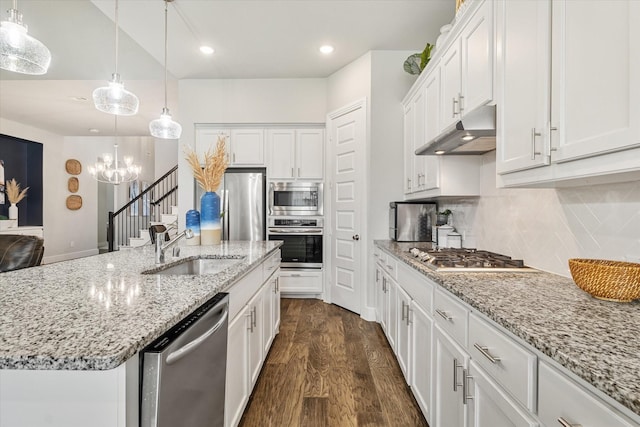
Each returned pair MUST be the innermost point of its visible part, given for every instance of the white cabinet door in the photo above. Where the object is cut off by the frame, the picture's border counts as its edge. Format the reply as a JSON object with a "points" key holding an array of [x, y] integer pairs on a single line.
{"points": [[477, 59], [450, 84], [420, 359], [247, 147], [419, 118], [409, 130], [392, 319], [403, 338], [449, 363], [523, 62], [384, 313], [380, 295], [489, 406], [310, 154], [266, 321], [237, 384], [281, 164], [595, 103], [256, 349], [432, 105], [561, 398], [207, 139]]}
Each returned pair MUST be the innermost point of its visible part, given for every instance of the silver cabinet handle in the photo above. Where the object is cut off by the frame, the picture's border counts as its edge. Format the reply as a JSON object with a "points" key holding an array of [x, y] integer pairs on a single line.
{"points": [[384, 284], [234, 157], [455, 101], [403, 306], [461, 104], [389, 266], [250, 316], [409, 312], [377, 274], [485, 352], [534, 153], [408, 183], [565, 423], [455, 374], [253, 318], [292, 173], [444, 315], [298, 172], [465, 386]]}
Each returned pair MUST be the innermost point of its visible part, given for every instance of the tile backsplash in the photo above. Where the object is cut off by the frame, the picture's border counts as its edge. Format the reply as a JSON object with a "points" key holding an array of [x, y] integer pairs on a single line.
{"points": [[546, 227]]}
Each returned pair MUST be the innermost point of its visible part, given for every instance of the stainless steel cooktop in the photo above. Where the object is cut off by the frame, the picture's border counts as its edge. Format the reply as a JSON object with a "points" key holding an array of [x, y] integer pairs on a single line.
{"points": [[468, 260]]}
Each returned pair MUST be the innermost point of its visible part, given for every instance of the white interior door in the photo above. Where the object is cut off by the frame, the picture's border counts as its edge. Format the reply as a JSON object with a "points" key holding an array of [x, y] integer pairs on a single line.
{"points": [[348, 137]]}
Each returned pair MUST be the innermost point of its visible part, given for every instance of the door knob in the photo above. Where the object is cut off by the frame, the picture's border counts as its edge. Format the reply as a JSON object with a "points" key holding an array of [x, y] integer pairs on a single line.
{"points": [[356, 237]]}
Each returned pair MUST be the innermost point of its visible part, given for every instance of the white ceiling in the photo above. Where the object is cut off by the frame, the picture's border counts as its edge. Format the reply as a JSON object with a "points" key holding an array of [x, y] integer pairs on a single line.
{"points": [[252, 38]]}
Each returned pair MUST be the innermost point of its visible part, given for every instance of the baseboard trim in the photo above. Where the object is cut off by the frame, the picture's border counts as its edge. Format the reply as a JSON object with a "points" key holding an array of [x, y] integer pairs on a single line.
{"points": [[368, 314]]}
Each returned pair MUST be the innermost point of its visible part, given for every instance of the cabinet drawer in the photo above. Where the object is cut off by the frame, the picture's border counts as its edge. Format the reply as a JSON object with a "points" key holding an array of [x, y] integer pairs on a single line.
{"points": [[300, 281], [504, 359], [390, 265], [417, 286], [270, 265], [561, 398], [451, 316]]}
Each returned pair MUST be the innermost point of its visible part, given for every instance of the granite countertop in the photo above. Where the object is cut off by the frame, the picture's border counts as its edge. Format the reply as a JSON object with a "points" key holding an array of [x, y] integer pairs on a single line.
{"points": [[94, 313], [597, 340]]}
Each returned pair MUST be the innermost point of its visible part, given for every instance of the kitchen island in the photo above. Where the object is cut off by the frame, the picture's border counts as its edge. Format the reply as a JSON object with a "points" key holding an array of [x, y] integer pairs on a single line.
{"points": [[83, 322], [596, 341]]}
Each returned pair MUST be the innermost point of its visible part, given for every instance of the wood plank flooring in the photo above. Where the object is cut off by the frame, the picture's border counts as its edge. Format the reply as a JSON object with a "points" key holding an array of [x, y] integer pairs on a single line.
{"points": [[328, 367]]}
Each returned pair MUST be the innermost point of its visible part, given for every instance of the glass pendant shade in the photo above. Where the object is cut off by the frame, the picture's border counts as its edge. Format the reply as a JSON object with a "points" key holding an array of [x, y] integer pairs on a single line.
{"points": [[115, 99], [19, 52], [165, 127]]}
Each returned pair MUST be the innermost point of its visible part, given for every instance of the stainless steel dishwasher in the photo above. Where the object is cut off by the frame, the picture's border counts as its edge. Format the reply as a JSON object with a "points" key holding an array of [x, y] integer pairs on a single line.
{"points": [[183, 371]]}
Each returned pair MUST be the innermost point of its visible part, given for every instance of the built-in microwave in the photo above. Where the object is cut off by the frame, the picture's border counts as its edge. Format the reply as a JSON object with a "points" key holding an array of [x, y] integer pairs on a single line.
{"points": [[295, 198]]}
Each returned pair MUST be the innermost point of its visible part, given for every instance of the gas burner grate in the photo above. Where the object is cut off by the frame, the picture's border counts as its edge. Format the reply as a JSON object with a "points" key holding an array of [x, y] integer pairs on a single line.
{"points": [[447, 258]]}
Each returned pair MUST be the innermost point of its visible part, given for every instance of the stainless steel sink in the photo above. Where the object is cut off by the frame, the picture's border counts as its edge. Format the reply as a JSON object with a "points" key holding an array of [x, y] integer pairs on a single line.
{"points": [[197, 266]]}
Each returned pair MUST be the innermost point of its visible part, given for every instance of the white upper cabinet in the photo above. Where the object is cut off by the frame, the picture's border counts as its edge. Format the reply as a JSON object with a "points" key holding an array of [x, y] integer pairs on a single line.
{"points": [[247, 147], [467, 67], [296, 154], [244, 147], [568, 96], [419, 110], [409, 120]]}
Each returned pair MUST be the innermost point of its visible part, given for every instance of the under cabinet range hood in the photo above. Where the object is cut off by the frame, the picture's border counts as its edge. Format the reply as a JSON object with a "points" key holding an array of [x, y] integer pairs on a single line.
{"points": [[475, 133]]}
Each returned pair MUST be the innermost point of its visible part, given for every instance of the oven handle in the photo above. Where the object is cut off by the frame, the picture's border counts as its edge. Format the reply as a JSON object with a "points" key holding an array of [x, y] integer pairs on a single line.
{"points": [[296, 231]]}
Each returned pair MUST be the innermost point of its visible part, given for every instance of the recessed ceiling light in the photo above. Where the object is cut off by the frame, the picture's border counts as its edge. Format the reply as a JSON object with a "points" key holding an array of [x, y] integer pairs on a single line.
{"points": [[207, 50], [326, 49], [94, 130]]}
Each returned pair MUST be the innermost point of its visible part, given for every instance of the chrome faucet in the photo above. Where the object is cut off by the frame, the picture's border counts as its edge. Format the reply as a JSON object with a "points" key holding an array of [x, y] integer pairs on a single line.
{"points": [[160, 247]]}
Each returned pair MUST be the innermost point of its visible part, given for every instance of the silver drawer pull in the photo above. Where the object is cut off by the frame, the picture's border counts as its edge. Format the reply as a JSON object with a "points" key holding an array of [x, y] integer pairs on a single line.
{"points": [[485, 353], [444, 315], [465, 387], [565, 423]]}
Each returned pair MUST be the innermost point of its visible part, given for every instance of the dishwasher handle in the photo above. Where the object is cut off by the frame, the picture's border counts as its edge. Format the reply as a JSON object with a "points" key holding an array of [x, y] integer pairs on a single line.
{"points": [[189, 347]]}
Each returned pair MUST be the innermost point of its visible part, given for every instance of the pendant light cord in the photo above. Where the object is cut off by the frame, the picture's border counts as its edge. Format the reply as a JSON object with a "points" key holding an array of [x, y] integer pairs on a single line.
{"points": [[116, 20], [166, 5]]}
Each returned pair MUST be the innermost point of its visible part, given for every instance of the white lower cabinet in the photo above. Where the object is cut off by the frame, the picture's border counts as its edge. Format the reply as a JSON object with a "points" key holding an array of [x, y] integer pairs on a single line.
{"points": [[489, 405], [420, 357], [403, 337], [562, 402], [254, 320], [449, 371], [294, 281]]}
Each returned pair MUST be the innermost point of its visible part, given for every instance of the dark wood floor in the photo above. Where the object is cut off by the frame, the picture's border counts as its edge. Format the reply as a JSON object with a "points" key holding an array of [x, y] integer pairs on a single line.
{"points": [[328, 367]]}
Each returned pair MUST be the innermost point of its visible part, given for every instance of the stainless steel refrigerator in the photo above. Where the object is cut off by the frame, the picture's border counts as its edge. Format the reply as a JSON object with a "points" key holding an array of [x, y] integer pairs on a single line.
{"points": [[242, 204]]}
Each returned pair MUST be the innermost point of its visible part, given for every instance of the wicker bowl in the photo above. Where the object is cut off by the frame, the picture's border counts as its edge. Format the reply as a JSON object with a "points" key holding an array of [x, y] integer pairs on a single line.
{"points": [[607, 280]]}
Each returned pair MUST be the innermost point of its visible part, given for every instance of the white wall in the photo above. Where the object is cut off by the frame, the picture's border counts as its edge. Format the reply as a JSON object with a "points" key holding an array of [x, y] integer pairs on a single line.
{"points": [[546, 227], [242, 101]]}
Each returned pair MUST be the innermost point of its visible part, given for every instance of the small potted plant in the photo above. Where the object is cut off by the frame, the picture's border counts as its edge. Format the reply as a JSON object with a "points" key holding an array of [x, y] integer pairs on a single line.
{"points": [[443, 217]]}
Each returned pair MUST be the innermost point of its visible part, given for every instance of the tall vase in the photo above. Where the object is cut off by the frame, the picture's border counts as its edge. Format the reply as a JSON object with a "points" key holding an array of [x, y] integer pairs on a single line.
{"points": [[13, 211], [210, 227]]}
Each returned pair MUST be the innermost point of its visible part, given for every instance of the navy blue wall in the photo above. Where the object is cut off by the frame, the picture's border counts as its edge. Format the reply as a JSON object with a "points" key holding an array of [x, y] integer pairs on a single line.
{"points": [[23, 161]]}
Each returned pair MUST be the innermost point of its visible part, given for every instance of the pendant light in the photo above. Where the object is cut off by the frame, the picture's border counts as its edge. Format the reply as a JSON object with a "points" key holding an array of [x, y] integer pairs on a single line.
{"points": [[19, 52], [112, 170], [115, 99], [165, 127]]}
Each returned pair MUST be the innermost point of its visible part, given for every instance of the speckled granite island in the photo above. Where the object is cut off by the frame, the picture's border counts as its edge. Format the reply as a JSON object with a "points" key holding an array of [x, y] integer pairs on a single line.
{"points": [[598, 341], [85, 320]]}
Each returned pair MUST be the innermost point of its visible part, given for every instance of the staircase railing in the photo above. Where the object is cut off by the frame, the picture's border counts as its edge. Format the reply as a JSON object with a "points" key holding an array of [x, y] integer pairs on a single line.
{"points": [[137, 214]]}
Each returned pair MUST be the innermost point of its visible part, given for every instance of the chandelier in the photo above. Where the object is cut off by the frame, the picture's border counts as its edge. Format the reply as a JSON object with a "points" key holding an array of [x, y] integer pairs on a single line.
{"points": [[19, 52], [111, 170], [114, 98], [165, 127]]}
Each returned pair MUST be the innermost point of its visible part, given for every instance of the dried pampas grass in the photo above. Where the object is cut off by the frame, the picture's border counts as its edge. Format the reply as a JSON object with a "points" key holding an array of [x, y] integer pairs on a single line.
{"points": [[13, 191], [209, 176]]}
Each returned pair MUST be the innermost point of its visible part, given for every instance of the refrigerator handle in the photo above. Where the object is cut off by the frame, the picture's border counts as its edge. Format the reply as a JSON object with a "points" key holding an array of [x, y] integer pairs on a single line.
{"points": [[225, 217]]}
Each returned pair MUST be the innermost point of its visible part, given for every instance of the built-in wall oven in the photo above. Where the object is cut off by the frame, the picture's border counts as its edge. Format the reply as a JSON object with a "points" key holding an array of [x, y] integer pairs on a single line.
{"points": [[295, 198], [302, 241]]}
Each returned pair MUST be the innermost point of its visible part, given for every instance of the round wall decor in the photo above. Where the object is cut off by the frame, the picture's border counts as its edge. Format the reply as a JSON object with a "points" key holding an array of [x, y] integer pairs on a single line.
{"points": [[73, 184], [73, 166], [74, 202]]}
